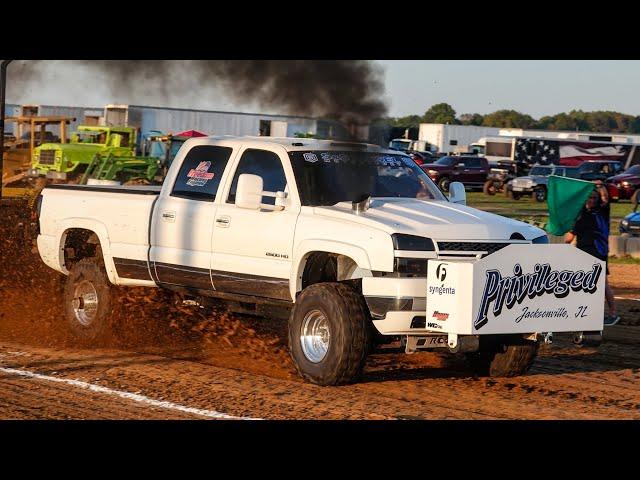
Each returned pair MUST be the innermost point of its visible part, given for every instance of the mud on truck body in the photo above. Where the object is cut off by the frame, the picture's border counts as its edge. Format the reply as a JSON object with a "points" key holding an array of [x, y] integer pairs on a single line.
{"points": [[353, 244]]}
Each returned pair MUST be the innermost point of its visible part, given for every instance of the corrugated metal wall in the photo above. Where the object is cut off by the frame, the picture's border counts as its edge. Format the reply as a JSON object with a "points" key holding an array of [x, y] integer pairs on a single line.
{"points": [[210, 122]]}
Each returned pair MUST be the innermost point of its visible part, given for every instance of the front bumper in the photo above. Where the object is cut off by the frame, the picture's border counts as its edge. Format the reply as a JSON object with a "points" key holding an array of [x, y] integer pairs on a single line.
{"points": [[397, 305]]}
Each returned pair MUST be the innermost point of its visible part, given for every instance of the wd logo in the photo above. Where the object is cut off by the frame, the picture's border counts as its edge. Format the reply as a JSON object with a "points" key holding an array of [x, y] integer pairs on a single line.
{"points": [[433, 325]]}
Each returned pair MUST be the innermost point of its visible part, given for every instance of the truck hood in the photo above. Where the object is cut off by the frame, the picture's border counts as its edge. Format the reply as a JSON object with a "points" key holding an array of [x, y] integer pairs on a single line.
{"points": [[72, 147], [439, 220], [535, 178], [624, 177]]}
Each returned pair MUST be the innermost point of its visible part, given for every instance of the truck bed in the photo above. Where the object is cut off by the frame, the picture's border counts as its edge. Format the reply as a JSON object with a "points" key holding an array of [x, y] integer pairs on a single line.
{"points": [[133, 189], [120, 216]]}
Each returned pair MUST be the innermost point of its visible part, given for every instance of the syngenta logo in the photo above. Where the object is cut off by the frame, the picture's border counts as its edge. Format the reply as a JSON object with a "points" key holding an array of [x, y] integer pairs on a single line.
{"points": [[508, 291]]}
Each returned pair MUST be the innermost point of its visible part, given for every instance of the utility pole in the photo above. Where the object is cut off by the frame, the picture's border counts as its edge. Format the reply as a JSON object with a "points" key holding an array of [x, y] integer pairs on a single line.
{"points": [[3, 85]]}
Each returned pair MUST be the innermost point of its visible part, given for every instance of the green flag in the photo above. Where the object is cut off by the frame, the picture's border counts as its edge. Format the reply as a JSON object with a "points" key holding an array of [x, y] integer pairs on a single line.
{"points": [[565, 198]]}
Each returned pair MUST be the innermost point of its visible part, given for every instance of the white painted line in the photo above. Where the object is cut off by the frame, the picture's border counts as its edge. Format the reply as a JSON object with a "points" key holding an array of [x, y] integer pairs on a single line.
{"points": [[627, 298], [129, 396]]}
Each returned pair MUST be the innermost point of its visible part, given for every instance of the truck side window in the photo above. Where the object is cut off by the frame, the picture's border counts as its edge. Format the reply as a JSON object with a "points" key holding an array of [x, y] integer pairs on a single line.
{"points": [[267, 165], [200, 172]]}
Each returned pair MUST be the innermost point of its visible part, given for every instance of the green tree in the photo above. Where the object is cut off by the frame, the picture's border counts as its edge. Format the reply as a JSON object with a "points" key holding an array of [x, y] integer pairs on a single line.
{"points": [[440, 113], [470, 119], [508, 119]]}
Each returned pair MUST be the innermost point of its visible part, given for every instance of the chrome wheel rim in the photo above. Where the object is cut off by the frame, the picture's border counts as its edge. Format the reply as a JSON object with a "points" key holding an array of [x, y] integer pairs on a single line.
{"points": [[85, 303], [315, 336]]}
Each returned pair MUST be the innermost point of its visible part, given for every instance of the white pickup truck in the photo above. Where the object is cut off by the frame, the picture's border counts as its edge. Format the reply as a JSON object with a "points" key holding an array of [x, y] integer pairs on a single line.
{"points": [[354, 244]]}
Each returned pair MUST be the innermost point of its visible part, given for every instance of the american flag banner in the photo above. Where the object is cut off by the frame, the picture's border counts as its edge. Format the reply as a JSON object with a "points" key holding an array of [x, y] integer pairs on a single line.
{"points": [[569, 153]]}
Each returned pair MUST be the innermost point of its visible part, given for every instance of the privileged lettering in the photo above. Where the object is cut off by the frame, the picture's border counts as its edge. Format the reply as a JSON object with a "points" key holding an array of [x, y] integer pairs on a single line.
{"points": [[507, 291]]}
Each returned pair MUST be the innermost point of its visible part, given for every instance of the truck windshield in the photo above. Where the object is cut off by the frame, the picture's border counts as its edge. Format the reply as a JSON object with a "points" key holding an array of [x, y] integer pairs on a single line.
{"points": [[542, 171], [400, 144], [90, 137], [329, 177], [445, 161]]}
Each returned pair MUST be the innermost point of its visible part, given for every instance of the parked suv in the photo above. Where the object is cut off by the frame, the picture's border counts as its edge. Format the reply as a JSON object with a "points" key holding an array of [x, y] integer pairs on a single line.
{"points": [[535, 184], [625, 185], [471, 171]]}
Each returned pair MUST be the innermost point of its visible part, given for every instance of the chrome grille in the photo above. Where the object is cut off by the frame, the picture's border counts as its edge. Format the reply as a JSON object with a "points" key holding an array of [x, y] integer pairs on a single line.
{"points": [[470, 248], [47, 157]]}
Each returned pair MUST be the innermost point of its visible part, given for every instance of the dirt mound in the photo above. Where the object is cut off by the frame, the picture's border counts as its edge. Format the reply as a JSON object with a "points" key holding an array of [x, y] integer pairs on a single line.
{"points": [[149, 320]]}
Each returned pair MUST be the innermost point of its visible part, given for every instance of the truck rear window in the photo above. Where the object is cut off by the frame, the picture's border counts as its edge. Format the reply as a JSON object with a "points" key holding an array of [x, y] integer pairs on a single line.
{"points": [[200, 172]]}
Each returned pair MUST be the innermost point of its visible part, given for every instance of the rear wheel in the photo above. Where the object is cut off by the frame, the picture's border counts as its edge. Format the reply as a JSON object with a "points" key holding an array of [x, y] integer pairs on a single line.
{"points": [[503, 357], [444, 183], [87, 300], [489, 188], [329, 334]]}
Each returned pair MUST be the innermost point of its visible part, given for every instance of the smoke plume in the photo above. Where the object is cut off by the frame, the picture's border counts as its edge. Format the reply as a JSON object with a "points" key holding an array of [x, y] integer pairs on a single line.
{"points": [[347, 90]]}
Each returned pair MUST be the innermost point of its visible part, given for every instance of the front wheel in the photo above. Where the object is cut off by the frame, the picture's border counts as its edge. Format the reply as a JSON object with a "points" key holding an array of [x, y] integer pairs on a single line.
{"points": [[87, 300], [540, 194], [329, 334], [498, 358]]}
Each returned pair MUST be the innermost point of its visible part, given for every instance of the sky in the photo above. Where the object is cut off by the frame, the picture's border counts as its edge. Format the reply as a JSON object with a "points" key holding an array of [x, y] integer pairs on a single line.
{"points": [[470, 86]]}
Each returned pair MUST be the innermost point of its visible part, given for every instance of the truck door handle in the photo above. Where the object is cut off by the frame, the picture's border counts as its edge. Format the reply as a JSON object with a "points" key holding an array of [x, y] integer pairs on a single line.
{"points": [[223, 221]]}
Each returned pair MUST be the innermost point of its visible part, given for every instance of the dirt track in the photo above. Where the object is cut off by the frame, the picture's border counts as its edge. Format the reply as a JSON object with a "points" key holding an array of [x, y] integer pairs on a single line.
{"points": [[161, 351]]}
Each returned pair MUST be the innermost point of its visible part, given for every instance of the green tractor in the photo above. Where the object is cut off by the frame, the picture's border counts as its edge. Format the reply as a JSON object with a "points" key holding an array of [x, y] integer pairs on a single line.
{"points": [[67, 161]]}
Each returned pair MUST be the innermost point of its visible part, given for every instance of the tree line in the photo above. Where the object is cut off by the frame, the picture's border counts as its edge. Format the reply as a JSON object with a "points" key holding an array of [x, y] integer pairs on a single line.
{"points": [[598, 121]]}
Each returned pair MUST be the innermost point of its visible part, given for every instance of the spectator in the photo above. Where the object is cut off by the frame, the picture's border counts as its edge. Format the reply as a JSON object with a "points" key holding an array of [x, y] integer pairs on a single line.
{"points": [[591, 232]]}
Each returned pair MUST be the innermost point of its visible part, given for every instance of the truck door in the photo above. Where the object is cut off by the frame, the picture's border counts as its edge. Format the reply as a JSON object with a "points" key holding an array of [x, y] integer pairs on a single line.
{"points": [[252, 249], [182, 223]]}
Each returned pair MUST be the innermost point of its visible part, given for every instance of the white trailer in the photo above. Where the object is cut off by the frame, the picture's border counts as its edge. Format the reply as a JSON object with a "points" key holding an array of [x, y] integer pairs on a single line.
{"points": [[447, 137]]}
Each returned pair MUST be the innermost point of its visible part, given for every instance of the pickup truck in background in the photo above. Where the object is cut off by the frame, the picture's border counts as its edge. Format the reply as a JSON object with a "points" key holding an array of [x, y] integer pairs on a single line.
{"points": [[353, 244]]}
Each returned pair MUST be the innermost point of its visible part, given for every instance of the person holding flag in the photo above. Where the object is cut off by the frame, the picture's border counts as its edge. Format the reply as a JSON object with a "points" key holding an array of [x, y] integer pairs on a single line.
{"points": [[580, 211]]}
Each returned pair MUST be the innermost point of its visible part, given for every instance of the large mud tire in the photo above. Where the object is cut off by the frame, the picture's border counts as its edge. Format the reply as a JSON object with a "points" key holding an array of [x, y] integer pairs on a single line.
{"points": [[504, 359], [87, 301], [341, 320], [489, 188]]}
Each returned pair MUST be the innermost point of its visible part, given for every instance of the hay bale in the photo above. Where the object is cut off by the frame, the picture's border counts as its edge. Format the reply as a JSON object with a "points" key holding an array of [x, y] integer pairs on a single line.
{"points": [[633, 247], [617, 245]]}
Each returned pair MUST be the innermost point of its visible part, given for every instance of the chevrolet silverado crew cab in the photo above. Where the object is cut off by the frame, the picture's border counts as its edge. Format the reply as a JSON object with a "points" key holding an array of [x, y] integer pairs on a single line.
{"points": [[352, 243]]}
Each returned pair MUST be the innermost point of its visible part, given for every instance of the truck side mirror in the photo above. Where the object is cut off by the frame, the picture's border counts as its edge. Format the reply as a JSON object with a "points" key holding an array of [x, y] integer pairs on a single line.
{"points": [[249, 191], [457, 194]]}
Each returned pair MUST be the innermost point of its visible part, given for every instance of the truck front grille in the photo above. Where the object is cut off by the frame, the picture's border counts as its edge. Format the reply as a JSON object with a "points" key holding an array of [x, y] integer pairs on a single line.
{"points": [[470, 248], [47, 157]]}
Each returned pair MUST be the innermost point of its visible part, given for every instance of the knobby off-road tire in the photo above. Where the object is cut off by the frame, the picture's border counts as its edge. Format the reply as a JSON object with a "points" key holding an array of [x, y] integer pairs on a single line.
{"points": [[87, 300], [540, 194], [500, 359], [489, 188], [339, 317]]}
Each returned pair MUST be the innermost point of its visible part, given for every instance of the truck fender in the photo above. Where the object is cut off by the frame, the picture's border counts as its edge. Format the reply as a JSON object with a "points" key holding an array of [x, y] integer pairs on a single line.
{"points": [[302, 251], [96, 227]]}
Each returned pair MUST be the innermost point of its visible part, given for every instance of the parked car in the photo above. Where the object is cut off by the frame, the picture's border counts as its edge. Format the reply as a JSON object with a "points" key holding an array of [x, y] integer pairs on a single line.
{"points": [[535, 184], [421, 157], [626, 185], [471, 171]]}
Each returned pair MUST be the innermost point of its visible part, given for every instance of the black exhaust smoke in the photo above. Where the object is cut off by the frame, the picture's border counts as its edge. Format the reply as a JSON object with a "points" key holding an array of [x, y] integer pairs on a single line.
{"points": [[350, 91]]}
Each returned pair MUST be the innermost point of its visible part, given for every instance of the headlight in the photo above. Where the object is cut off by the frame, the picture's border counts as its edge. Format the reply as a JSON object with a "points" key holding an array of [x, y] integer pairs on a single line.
{"points": [[624, 223], [625, 184], [542, 239], [432, 172], [411, 242]]}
